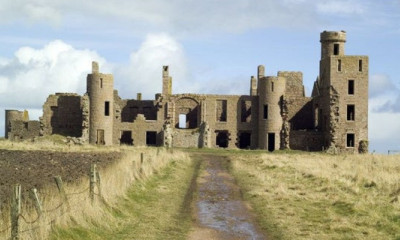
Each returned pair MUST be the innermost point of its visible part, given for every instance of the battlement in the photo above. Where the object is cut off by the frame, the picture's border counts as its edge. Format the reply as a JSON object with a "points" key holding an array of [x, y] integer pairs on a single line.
{"points": [[333, 36]]}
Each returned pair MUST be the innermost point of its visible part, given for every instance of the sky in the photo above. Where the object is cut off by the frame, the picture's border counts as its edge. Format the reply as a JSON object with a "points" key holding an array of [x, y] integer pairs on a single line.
{"points": [[211, 46]]}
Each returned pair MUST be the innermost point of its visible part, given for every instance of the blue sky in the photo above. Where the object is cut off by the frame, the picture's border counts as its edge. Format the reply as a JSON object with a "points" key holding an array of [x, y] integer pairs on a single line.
{"points": [[47, 46]]}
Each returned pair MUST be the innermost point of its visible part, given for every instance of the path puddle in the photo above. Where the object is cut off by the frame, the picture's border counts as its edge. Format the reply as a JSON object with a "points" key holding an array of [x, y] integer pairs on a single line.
{"points": [[220, 211]]}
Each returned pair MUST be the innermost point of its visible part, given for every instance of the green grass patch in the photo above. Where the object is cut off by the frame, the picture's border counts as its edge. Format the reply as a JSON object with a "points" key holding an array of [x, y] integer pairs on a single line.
{"points": [[157, 208]]}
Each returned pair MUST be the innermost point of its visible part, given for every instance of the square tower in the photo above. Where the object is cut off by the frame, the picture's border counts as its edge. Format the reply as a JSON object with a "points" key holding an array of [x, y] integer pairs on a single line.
{"points": [[341, 106]]}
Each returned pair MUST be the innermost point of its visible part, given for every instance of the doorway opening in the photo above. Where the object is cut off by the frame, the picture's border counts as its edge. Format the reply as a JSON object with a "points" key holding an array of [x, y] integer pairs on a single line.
{"points": [[244, 140], [151, 138], [100, 137], [126, 138], [222, 139], [271, 142]]}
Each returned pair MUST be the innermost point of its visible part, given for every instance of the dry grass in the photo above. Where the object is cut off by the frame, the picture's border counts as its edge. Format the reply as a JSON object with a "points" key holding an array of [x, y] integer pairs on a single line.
{"points": [[115, 181], [55, 143], [319, 196]]}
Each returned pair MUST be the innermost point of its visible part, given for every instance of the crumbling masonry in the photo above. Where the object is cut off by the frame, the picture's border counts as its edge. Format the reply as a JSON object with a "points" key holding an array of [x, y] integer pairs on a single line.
{"points": [[276, 114]]}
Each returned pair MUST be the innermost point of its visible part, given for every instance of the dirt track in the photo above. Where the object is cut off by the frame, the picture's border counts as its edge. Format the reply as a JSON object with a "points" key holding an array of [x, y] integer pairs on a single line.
{"points": [[220, 212], [38, 168]]}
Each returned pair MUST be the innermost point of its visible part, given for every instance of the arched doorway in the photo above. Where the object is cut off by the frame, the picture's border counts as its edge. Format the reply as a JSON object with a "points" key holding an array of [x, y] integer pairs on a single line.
{"points": [[187, 109]]}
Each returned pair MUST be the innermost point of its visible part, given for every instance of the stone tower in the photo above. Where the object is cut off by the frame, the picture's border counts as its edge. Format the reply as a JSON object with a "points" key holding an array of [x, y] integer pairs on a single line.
{"points": [[270, 90], [12, 115], [341, 104], [100, 88]]}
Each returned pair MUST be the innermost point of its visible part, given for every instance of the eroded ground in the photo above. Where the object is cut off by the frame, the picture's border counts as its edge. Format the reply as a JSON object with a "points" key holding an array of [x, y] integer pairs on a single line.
{"points": [[38, 168], [220, 212]]}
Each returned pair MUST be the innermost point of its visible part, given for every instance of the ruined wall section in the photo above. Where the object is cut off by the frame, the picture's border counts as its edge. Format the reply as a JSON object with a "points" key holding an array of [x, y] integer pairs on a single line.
{"points": [[62, 114], [130, 108], [18, 126], [135, 121], [299, 106], [85, 107], [24, 130], [233, 115]]}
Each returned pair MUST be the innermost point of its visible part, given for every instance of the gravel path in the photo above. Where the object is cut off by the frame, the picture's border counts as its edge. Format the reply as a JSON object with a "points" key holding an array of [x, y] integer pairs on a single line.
{"points": [[220, 212]]}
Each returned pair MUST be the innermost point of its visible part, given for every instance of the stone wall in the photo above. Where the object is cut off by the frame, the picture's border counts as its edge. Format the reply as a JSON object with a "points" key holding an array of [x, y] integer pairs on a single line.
{"points": [[186, 138], [62, 114], [22, 130], [306, 140], [294, 84]]}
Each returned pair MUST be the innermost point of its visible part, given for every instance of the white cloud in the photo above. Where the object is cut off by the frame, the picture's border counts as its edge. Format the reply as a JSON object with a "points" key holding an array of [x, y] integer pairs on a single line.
{"points": [[174, 16], [32, 74], [32, 11], [144, 71]]}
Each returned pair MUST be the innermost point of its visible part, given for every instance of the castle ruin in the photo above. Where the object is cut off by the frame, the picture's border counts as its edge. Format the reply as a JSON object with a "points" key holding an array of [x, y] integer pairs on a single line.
{"points": [[275, 115]]}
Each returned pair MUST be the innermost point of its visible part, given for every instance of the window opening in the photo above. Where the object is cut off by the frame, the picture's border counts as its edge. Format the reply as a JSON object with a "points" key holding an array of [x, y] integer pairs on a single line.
{"points": [[360, 65], [107, 108], [272, 86], [316, 117], [351, 87], [101, 83], [350, 140], [350, 112], [266, 111], [221, 110], [339, 66], [182, 121], [335, 49], [246, 111]]}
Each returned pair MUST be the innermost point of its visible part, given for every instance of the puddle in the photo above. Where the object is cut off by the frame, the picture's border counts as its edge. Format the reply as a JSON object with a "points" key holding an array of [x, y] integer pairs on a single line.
{"points": [[219, 206]]}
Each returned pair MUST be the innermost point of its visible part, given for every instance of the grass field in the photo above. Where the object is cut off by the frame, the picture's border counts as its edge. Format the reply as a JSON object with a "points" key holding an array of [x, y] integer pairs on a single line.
{"points": [[156, 208], [141, 192], [294, 195], [320, 196]]}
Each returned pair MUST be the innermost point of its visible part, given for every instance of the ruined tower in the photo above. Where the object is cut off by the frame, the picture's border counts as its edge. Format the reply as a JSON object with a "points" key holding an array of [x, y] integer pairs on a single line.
{"points": [[100, 88], [12, 115], [270, 90], [341, 98]]}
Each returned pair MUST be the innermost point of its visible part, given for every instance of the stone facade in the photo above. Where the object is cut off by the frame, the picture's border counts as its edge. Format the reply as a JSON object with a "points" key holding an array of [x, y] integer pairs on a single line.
{"points": [[275, 115]]}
